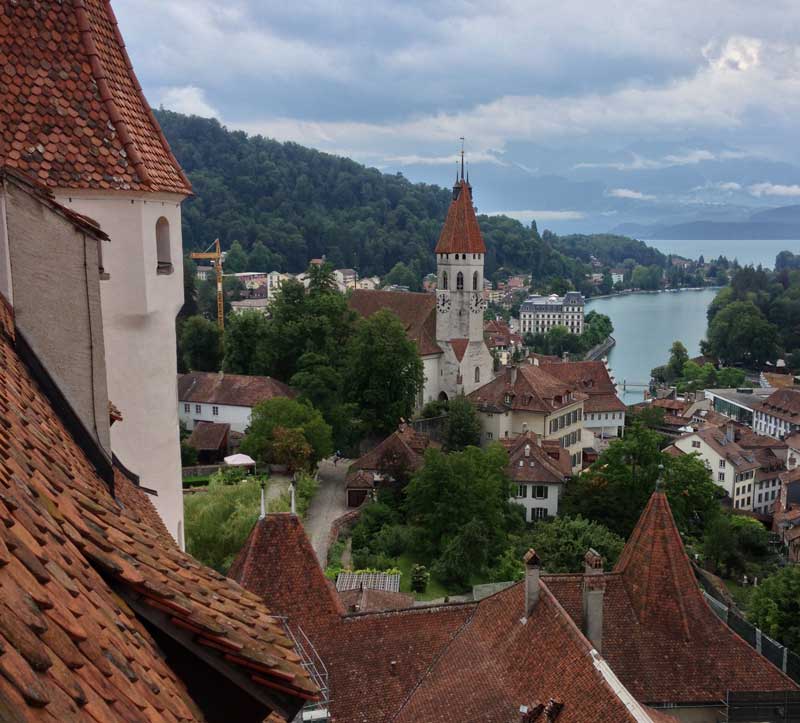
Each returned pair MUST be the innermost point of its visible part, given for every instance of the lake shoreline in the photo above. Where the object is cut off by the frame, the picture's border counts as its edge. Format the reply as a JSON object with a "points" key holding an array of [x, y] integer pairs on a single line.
{"points": [[632, 292]]}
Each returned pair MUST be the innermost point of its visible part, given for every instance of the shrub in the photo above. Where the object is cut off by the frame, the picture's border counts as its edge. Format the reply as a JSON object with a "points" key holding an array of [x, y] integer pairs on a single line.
{"points": [[419, 578]]}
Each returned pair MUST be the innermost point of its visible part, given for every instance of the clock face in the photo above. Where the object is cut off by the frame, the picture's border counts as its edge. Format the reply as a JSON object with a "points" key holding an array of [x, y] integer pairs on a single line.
{"points": [[443, 303], [477, 304]]}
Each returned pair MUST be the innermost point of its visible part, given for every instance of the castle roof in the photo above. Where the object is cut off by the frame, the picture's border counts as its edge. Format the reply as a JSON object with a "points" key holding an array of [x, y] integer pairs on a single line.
{"points": [[428, 663], [461, 232], [84, 564], [592, 378], [659, 635], [417, 313], [74, 114]]}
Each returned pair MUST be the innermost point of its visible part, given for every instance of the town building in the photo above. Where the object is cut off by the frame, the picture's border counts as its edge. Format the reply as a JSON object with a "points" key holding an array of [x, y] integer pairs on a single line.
{"points": [[448, 326], [738, 404], [76, 120], [617, 276], [393, 459], [104, 618], [225, 398], [258, 303], [345, 279], [526, 398], [603, 410], [211, 440], [538, 470], [732, 467], [638, 643], [539, 314], [368, 283], [204, 273], [502, 342], [779, 414]]}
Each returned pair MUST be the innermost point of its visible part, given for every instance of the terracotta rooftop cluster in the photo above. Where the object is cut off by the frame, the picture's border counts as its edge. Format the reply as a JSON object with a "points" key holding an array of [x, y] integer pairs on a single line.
{"points": [[230, 389], [659, 638], [89, 576]]}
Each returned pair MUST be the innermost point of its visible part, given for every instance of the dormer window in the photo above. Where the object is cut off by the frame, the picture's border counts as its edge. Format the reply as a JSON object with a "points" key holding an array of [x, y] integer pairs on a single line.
{"points": [[527, 450], [507, 399]]}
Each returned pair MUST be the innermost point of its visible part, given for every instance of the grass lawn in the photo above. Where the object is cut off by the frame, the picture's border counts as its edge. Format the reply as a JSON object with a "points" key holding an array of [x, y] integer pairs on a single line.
{"points": [[739, 593], [196, 481], [435, 588]]}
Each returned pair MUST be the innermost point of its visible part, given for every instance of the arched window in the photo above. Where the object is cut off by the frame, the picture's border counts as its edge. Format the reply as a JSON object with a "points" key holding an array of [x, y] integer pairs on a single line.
{"points": [[475, 281], [163, 252], [477, 374], [444, 280], [460, 281]]}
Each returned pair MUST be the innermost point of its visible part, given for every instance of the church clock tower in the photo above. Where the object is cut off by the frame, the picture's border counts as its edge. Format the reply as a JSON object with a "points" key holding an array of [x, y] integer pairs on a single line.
{"points": [[460, 254]]}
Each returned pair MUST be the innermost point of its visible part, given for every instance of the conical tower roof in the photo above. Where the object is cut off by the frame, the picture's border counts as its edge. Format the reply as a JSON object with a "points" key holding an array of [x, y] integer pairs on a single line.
{"points": [[74, 115], [657, 573], [461, 232]]}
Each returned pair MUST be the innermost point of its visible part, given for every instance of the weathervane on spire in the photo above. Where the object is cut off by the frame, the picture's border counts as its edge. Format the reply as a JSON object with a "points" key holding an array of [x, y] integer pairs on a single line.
{"points": [[461, 138]]}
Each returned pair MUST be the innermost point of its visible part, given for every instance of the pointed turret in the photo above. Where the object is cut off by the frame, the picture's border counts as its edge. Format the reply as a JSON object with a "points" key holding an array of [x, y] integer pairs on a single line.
{"points": [[657, 573], [461, 232]]}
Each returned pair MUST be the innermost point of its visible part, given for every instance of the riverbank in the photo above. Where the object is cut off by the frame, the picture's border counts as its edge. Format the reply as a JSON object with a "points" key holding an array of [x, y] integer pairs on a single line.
{"points": [[598, 352], [633, 292]]}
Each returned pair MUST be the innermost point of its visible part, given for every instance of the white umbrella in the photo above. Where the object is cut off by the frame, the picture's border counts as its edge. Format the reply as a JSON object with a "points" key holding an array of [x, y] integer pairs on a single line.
{"points": [[240, 460]]}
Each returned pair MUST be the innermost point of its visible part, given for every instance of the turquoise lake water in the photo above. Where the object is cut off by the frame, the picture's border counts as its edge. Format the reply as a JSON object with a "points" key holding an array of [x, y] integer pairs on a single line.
{"points": [[645, 325]]}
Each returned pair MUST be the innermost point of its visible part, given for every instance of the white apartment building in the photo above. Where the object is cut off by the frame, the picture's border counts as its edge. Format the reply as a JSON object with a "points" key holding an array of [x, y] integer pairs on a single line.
{"points": [[539, 314], [732, 467], [224, 398], [778, 415]]}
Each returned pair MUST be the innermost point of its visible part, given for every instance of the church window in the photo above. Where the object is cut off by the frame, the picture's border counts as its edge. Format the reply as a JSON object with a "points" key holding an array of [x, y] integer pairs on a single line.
{"points": [[477, 374], [475, 281], [163, 252], [460, 281], [444, 281]]}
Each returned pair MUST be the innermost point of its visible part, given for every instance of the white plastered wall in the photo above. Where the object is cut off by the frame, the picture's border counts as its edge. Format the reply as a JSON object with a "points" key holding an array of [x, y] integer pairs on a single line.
{"points": [[139, 309]]}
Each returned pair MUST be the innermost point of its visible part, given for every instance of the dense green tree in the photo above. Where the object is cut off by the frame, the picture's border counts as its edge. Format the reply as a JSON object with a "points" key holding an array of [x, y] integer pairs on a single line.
{"points": [[201, 345], [321, 279], [462, 427], [730, 541], [383, 372], [453, 490], [235, 260], [260, 258], [740, 334], [288, 414], [678, 356], [401, 275], [290, 447], [616, 488], [189, 307], [247, 345], [775, 606], [562, 543]]}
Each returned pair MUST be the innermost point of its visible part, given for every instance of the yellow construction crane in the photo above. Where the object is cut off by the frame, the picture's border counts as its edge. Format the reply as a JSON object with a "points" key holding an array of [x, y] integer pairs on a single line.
{"points": [[216, 257]]}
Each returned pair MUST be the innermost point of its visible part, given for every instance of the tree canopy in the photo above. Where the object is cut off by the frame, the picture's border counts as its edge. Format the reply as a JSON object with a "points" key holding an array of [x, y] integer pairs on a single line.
{"points": [[775, 606], [462, 428]]}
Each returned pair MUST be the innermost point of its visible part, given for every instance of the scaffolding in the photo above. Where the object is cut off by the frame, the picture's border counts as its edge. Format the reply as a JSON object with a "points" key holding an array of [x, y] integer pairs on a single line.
{"points": [[318, 710]]}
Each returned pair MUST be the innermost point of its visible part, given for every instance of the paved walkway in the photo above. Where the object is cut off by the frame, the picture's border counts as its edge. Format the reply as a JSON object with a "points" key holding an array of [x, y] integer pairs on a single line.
{"points": [[276, 486], [329, 503]]}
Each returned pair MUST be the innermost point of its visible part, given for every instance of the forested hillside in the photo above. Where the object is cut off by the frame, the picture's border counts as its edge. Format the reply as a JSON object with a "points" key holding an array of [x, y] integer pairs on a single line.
{"points": [[302, 203]]}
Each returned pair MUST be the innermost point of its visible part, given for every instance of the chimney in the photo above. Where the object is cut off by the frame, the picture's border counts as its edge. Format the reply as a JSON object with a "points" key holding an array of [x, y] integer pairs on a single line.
{"points": [[594, 586], [263, 500], [532, 567], [730, 432]]}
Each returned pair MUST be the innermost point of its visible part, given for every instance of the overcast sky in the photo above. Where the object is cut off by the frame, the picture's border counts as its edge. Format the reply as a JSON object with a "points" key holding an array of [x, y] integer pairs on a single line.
{"points": [[395, 84]]}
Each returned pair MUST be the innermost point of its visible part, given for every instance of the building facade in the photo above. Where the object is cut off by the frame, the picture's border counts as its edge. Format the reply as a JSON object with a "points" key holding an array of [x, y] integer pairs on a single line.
{"points": [[539, 314], [225, 398], [78, 122], [526, 398], [778, 415]]}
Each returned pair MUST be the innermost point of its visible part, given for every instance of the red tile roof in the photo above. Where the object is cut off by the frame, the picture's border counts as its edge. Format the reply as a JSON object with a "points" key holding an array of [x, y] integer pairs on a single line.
{"points": [[592, 378], [423, 663], [461, 232], [459, 346], [74, 114], [659, 635], [417, 313], [208, 436], [402, 447], [546, 461], [783, 403], [530, 388], [367, 600], [235, 390], [79, 568]]}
